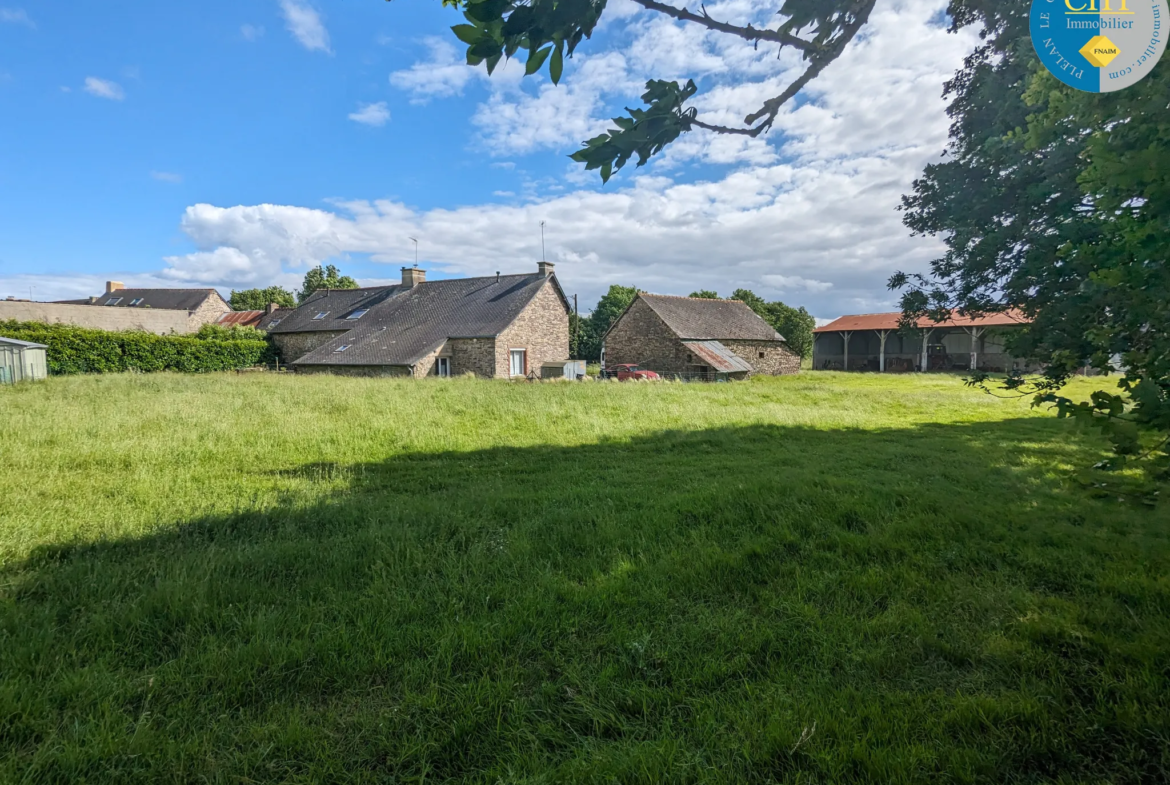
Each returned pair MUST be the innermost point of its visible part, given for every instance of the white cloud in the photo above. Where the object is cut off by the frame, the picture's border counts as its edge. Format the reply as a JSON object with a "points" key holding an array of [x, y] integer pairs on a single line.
{"points": [[251, 32], [305, 24], [445, 73], [376, 115], [167, 177], [17, 16], [104, 88]]}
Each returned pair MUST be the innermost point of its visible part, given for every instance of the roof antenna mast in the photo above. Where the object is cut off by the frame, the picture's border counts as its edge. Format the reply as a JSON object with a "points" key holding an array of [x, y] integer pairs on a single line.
{"points": [[542, 257], [415, 241]]}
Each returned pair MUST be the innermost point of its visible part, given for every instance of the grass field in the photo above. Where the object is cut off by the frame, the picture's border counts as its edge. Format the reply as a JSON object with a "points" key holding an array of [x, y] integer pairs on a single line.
{"points": [[816, 579]]}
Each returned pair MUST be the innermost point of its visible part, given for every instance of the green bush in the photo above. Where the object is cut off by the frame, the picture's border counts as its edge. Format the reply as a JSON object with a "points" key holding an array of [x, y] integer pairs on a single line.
{"points": [[81, 350]]}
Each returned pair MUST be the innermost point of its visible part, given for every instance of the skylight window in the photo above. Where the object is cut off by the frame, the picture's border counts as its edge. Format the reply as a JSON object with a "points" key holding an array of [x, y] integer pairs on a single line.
{"points": [[359, 313], [320, 316], [342, 348], [113, 301], [273, 323], [137, 301]]}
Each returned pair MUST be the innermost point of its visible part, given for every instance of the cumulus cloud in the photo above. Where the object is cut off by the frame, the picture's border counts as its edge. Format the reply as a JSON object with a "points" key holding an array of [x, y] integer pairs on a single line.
{"points": [[104, 88], [304, 22], [376, 115], [445, 73], [17, 16]]}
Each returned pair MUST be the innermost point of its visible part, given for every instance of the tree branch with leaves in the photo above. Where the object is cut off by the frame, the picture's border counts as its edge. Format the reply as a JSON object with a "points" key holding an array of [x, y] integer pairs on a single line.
{"points": [[551, 30]]}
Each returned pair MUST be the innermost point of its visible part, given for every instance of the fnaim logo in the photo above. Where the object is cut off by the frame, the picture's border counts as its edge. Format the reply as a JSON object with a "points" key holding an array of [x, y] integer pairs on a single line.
{"points": [[1099, 45]]}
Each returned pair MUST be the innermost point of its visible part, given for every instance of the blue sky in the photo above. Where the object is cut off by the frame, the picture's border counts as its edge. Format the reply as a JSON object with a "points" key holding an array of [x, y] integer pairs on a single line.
{"points": [[234, 144]]}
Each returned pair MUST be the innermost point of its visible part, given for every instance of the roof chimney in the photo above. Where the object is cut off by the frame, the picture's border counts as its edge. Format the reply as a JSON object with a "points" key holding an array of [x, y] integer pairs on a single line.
{"points": [[113, 286], [271, 309], [412, 276], [545, 268]]}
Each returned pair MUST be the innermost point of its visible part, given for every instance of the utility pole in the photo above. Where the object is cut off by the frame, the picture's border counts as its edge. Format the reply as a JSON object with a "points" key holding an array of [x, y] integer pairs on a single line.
{"points": [[576, 326]]}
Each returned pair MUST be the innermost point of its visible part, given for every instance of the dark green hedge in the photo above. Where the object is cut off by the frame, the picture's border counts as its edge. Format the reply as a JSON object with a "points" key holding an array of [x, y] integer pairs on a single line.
{"points": [[81, 350]]}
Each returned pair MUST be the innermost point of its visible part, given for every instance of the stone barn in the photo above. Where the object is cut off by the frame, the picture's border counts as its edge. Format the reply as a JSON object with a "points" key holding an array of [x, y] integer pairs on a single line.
{"points": [[690, 337]]}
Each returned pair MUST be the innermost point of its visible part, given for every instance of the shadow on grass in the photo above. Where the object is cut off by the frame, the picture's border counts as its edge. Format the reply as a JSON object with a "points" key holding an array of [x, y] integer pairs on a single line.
{"points": [[757, 604]]}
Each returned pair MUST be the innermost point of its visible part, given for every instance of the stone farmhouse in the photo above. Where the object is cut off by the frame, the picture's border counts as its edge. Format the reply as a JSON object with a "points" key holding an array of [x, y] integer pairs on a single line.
{"points": [[696, 338], [499, 327], [874, 342], [161, 311]]}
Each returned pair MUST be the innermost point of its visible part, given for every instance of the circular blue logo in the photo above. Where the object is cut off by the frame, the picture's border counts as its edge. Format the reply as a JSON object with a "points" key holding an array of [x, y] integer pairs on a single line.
{"points": [[1099, 45]]}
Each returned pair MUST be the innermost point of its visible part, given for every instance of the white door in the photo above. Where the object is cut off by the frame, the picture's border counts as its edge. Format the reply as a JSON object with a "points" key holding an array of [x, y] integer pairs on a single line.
{"points": [[516, 362], [443, 366]]}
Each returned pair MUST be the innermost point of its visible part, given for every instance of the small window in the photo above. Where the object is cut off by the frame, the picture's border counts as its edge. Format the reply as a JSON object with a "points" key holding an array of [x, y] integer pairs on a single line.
{"points": [[342, 348], [113, 301], [273, 323], [320, 316], [761, 355], [359, 313], [137, 301]]}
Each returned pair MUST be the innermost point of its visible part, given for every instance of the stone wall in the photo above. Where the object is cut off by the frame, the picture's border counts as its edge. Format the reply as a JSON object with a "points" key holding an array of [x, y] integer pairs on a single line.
{"points": [[640, 336], [473, 355], [294, 346], [213, 308], [769, 358], [98, 317], [541, 329]]}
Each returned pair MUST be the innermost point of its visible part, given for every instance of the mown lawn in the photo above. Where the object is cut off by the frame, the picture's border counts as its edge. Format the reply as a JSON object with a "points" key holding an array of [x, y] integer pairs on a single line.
{"points": [[818, 579]]}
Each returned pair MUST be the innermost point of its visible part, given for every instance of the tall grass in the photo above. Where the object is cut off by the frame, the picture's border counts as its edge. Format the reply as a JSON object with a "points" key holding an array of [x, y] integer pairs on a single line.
{"points": [[824, 578]]}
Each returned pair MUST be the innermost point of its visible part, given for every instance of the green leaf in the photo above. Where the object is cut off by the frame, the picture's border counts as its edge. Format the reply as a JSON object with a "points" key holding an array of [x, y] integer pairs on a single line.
{"points": [[536, 58], [557, 64], [468, 34]]}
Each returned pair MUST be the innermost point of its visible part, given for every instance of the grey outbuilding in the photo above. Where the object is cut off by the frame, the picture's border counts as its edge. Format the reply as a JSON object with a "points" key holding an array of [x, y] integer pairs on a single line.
{"points": [[22, 361]]}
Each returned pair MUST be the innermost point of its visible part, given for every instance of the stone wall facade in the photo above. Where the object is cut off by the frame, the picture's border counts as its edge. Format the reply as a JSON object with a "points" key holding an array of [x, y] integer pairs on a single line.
{"points": [[208, 313], [473, 355], [541, 330], [767, 357], [640, 336], [294, 346], [97, 317]]}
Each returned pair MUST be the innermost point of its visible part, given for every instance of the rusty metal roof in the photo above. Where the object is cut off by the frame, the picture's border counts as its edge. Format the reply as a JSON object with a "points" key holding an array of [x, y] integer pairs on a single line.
{"points": [[241, 318], [889, 321], [719, 357]]}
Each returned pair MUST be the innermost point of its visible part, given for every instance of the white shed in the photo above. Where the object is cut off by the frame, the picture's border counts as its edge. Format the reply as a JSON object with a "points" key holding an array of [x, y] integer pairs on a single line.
{"points": [[22, 361]]}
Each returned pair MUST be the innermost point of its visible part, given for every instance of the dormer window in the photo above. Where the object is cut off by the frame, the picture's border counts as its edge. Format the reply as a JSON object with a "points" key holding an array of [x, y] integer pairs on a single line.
{"points": [[113, 301], [320, 316], [359, 313]]}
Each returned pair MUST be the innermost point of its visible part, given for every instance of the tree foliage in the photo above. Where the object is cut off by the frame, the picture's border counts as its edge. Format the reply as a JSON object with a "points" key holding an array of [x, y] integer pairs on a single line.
{"points": [[328, 277], [548, 31], [795, 324], [704, 294], [1057, 203], [611, 305], [259, 299]]}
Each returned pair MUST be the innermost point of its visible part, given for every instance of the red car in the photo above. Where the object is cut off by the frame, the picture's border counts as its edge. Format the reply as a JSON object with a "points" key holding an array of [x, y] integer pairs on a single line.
{"points": [[627, 371]]}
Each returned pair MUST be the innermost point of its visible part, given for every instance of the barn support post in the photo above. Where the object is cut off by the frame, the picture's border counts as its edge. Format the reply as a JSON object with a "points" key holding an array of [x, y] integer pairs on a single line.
{"points": [[974, 332], [925, 344], [883, 335], [845, 337]]}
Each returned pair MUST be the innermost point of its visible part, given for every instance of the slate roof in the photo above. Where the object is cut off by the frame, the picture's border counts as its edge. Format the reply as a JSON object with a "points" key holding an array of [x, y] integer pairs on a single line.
{"points": [[889, 321], [165, 299], [404, 324], [697, 319]]}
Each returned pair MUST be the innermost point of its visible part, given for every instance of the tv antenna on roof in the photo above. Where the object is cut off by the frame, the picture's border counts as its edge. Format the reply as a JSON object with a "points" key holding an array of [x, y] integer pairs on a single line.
{"points": [[542, 257], [415, 241]]}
